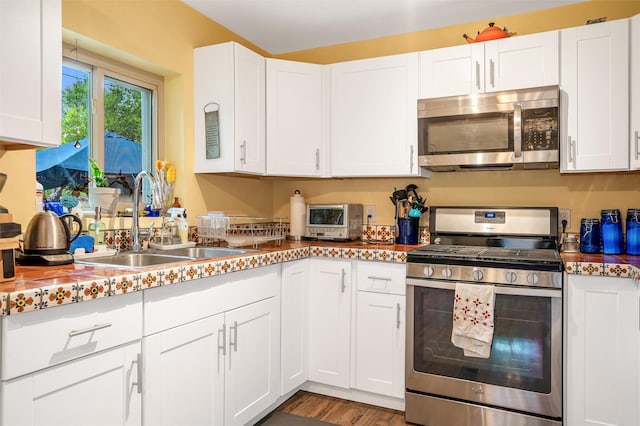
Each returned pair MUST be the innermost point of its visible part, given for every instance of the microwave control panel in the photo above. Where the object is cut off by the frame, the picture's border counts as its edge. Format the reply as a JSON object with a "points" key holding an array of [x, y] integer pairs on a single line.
{"points": [[540, 129]]}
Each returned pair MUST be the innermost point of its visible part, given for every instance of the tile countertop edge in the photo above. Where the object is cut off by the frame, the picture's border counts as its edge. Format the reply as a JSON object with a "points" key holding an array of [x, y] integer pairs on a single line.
{"points": [[618, 266], [36, 287]]}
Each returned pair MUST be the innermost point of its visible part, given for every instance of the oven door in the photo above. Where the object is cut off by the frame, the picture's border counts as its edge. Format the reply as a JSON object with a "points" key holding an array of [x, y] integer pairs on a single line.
{"points": [[524, 370]]}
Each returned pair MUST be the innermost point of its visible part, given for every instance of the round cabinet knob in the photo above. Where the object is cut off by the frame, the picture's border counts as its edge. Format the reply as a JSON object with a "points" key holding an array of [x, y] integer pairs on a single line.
{"points": [[477, 274], [532, 278], [428, 271], [511, 277], [446, 272]]}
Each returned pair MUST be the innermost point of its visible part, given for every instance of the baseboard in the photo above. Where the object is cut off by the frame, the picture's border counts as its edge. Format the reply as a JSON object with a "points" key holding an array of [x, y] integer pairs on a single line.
{"points": [[355, 395]]}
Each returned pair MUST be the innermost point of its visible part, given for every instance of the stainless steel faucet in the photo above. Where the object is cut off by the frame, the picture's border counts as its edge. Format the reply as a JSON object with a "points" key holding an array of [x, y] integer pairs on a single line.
{"points": [[156, 204]]}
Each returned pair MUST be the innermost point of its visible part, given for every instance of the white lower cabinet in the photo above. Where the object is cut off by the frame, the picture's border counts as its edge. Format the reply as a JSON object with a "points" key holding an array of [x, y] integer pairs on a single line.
{"points": [[217, 362], [184, 376], [100, 389], [380, 328], [294, 319], [602, 351], [330, 322], [73, 365]]}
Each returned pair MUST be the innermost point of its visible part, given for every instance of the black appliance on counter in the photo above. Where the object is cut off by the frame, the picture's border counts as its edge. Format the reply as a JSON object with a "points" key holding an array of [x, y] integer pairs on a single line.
{"points": [[515, 250]]}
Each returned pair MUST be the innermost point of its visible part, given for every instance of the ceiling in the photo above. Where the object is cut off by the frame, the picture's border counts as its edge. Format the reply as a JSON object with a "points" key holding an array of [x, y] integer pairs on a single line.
{"points": [[282, 26]]}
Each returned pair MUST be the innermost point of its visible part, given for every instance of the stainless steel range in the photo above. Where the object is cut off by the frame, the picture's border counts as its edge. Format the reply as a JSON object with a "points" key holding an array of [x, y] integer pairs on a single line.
{"points": [[513, 254]]}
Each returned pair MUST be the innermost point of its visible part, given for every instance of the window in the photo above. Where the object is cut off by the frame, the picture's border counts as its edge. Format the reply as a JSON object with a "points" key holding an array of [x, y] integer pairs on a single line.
{"points": [[109, 114]]}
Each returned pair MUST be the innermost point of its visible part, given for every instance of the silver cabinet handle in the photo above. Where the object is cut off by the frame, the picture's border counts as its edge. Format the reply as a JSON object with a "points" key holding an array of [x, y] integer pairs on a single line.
{"points": [[398, 316], [243, 152], [637, 138], [138, 384], [317, 159], [492, 69], [373, 277], [571, 151], [342, 276], [234, 342], [96, 327], [223, 346], [517, 130], [411, 159], [478, 75]]}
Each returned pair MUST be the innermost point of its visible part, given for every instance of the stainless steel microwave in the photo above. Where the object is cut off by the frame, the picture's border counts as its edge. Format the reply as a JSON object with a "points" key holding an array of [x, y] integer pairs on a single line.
{"points": [[503, 130], [334, 221]]}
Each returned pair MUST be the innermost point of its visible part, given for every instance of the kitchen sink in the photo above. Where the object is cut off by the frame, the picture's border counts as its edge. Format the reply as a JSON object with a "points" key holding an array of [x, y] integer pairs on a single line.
{"points": [[205, 252], [161, 257]]}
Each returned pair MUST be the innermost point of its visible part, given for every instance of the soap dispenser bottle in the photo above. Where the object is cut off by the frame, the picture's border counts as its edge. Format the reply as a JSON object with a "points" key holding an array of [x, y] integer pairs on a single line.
{"points": [[97, 228], [183, 228]]}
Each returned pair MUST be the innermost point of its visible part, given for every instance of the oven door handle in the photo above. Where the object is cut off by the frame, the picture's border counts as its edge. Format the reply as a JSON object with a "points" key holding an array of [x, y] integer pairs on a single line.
{"points": [[513, 290]]}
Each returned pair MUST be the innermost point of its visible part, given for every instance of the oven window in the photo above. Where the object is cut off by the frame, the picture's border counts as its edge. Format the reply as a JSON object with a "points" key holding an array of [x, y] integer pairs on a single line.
{"points": [[326, 216], [521, 349], [488, 132]]}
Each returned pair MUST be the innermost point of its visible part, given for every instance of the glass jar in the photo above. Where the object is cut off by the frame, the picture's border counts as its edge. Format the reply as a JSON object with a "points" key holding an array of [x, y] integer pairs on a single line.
{"points": [[633, 231], [611, 232], [590, 240]]}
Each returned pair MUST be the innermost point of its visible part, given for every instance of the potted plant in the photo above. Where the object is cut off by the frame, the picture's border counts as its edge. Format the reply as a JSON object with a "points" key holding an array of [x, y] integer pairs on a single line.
{"points": [[101, 194]]}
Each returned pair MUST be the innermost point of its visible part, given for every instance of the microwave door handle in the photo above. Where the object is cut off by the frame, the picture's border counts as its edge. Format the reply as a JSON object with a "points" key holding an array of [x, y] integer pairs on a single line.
{"points": [[517, 130]]}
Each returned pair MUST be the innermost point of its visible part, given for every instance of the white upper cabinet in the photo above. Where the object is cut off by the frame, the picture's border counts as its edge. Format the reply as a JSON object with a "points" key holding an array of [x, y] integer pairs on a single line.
{"points": [[374, 117], [30, 71], [505, 64], [594, 82], [296, 118], [634, 159], [229, 109]]}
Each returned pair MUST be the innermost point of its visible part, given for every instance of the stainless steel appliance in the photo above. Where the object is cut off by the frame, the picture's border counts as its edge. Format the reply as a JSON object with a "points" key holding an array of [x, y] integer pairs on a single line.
{"points": [[508, 130], [334, 221], [515, 250], [47, 239]]}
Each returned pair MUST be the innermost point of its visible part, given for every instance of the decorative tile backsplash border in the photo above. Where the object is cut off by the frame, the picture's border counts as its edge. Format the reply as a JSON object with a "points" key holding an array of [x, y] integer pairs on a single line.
{"points": [[122, 240]]}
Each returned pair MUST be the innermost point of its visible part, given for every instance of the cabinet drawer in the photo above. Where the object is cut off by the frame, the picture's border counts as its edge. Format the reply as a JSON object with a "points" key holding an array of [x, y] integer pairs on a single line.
{"points": [[36, 340], [382, 277], [171, 306]]}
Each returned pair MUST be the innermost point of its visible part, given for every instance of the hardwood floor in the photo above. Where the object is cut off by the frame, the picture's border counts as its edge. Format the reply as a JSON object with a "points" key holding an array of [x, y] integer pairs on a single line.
{"points": [[341, 412]]}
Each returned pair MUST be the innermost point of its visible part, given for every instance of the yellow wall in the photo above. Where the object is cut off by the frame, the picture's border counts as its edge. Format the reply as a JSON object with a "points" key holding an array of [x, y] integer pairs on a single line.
{"points": [[160, 35]]}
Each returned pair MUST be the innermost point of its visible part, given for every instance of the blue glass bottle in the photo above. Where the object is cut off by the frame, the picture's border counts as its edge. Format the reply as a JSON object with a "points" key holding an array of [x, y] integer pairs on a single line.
{"points": [[611, 231], [633, 231], [590, 239]]}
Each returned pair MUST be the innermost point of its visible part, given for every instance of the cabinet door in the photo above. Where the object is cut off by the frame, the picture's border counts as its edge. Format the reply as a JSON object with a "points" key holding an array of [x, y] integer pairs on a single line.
{"points": [[252, 374], [595, 100], [249, 92], [229, 79], [295, 112], [100, 389], [184, 374], [521, 62], [373, 116], [294, 321], [380, 342], [634, 158], [31, 52], [452, 71], [602, 351], [329, 321]]}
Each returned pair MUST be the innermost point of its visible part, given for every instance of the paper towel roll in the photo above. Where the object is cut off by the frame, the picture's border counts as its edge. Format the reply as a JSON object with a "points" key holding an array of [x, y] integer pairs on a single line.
{"points": [[298, 216]]}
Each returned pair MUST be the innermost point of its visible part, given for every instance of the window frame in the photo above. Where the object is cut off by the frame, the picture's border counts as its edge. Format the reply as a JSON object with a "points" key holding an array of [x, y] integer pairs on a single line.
{"points": [[101, 67]]}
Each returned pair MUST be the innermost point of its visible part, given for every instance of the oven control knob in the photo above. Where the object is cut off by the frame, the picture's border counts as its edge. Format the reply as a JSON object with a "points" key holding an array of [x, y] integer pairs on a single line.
{"points": [[446, 272], [427, 271], [477, 275], [532, 278], [511, 277]]}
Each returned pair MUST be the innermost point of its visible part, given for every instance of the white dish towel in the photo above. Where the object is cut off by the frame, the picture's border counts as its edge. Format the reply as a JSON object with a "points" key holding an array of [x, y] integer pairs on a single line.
{"points": [[473, 319]]}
